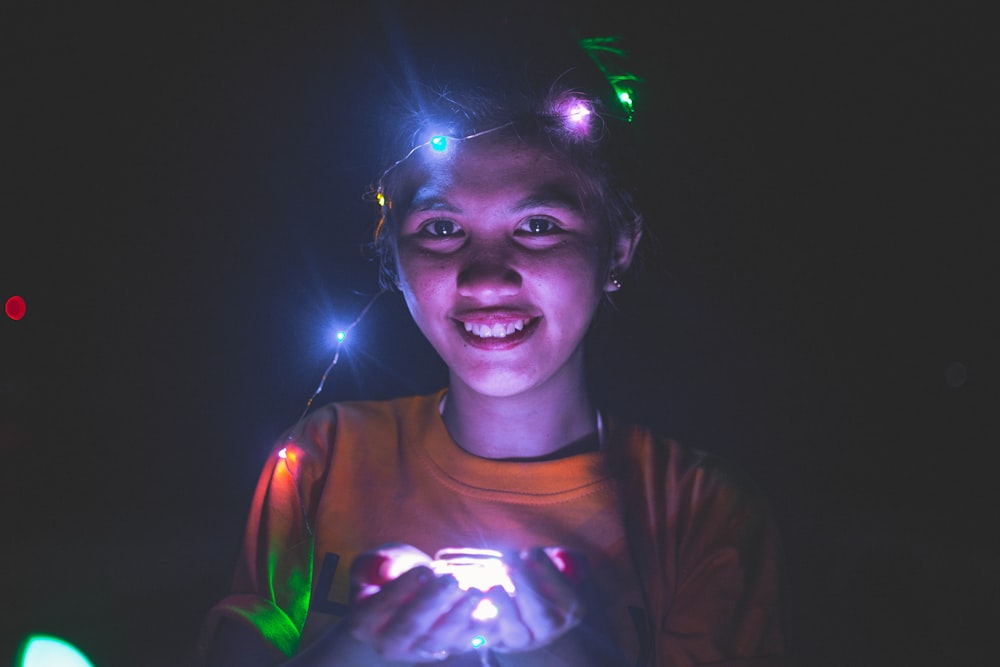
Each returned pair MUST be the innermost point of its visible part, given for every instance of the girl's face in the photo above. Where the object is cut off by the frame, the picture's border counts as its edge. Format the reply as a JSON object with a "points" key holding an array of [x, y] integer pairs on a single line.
{"points": [[501, 261]]}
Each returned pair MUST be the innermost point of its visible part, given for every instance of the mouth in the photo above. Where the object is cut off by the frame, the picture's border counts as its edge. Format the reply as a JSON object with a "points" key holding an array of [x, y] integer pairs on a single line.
{"points": [[496, 331]]}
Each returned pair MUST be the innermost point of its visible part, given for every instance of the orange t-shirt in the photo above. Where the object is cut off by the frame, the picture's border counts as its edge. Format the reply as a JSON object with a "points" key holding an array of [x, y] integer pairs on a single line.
{"points": [[682, 552]]}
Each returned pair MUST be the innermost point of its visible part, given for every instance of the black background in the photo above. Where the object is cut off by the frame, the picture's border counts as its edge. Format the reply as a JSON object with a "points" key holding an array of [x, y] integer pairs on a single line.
{"points": [[182, 209]]}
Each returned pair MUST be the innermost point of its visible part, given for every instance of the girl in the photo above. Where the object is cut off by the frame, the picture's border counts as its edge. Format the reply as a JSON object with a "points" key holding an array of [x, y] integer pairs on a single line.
{"points": [[505, 223]]}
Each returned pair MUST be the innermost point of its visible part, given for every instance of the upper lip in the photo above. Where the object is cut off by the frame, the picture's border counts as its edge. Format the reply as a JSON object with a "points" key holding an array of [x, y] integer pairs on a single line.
{"points": [[495, 315]]}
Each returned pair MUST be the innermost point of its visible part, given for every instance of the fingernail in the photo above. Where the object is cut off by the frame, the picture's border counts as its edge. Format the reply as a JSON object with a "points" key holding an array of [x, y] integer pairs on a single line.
{"points": [[370, 569]]}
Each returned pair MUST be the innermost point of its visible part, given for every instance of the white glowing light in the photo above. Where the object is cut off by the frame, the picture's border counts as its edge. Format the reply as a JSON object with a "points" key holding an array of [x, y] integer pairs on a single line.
{"points": [[337, 335], [283, 453], [578, 112], [400, 561], [485, 610], [42, 651], [481, 569]]}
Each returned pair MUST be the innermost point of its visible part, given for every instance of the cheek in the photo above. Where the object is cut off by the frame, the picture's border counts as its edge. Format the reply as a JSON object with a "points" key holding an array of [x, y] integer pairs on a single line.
{"points": [[421, 280], [576, 272], [422, 273]]}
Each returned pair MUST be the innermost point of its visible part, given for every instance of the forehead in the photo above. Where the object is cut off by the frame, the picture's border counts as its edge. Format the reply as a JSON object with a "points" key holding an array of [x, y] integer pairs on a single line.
{"points": [[487, 170]]}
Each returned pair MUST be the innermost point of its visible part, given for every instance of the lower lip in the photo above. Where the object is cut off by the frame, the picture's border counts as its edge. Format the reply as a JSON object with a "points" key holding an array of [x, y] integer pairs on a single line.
{"points": [[497, 342]]}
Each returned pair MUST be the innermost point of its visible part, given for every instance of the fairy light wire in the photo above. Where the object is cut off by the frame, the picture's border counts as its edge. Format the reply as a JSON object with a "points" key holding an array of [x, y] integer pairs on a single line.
{"points": [[283, 452], [336, 354], [431, 142]]}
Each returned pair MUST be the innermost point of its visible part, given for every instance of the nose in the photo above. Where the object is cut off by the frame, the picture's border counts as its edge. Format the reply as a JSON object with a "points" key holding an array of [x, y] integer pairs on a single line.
{"points": [[489, 275]]}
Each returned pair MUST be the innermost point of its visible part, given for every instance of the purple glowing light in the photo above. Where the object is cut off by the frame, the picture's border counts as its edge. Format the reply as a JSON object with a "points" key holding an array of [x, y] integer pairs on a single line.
{"points": [[576, 114]]}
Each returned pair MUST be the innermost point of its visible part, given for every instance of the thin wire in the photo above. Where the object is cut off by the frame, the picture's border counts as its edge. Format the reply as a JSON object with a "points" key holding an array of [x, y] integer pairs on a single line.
{"points": [[428, 143], [319, 388], [336, 355], [486, 657]]}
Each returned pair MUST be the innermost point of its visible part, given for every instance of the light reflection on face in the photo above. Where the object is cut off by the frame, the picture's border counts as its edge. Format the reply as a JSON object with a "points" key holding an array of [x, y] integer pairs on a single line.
{"points": [[502, 264]]}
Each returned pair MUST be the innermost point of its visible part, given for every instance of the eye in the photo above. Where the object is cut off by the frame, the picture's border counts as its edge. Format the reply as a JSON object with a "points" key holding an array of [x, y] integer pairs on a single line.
{"points": [[538, 226], [441, 227]]}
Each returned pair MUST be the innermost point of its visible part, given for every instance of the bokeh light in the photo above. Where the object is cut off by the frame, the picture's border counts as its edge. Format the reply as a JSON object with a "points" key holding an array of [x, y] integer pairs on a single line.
{"points": [[45, 651], [15, 307]]}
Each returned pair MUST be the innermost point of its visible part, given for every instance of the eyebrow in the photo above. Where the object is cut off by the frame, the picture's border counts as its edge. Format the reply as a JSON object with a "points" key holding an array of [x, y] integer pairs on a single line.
{"points": [[547, 196], [430, 202], [551, 196]]}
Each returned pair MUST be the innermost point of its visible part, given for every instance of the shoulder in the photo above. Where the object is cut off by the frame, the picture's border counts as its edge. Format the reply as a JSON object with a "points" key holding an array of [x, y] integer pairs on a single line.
{"points": [[655, 454], [678, 480], [402, 409], [348, 421]]}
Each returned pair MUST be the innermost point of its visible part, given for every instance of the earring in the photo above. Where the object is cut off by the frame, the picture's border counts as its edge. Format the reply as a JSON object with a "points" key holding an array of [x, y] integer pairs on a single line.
{"points": [[615, 280]]}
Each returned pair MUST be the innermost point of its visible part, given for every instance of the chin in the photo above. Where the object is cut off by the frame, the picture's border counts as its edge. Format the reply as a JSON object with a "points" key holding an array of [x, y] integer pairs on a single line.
{"points": [[499, 385]]}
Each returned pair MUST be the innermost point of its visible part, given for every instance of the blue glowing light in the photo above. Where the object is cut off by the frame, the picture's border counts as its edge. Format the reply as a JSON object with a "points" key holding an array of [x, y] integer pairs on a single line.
{"points": [[478, 641], [439, 143], [341, 335], [44, 651]]}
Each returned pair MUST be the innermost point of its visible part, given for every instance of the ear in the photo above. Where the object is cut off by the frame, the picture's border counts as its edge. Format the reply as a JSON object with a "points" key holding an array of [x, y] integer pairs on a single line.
{"points": [[621, 257]]}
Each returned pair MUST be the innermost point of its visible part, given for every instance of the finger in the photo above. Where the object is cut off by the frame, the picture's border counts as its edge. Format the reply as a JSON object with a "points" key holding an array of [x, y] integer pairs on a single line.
{"points": [[368, 575], [507, 632], [416, 623], [571, 563], [548, 602], [453, 632], [371, 614], [373, 569]]}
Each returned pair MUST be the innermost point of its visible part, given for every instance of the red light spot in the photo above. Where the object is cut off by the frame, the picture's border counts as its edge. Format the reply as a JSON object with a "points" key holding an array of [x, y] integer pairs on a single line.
{"points": [[14, 308]]}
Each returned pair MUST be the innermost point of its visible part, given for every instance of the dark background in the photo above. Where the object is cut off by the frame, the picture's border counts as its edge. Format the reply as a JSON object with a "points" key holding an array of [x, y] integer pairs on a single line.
{"points": [[182, 209]]}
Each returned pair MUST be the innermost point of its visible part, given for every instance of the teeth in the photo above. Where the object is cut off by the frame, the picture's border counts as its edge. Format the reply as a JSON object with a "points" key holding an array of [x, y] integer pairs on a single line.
{"points": [[497, 330]]}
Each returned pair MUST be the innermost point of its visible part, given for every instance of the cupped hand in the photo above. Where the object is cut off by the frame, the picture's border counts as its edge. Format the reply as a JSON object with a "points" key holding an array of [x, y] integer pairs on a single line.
{"points": [[549, 600], [404, 611]]}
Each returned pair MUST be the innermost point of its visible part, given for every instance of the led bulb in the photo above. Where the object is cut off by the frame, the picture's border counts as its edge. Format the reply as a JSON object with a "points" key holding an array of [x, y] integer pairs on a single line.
{"points": [[578, 113], [43, 651], [439, 143], [575, 114], [486, 610]]}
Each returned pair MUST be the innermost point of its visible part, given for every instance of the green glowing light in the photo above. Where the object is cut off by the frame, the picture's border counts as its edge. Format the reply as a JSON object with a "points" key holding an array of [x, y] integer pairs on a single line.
{"points": [[608, 55], [478, 641], [45, 651]]}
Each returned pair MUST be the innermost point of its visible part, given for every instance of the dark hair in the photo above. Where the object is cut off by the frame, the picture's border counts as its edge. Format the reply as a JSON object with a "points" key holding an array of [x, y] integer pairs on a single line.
{"points": [[523, 82]]}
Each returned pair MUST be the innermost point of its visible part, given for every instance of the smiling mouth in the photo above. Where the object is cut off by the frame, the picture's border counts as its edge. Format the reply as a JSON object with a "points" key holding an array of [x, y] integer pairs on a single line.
{"points": [[496, 329], [508, 331]]}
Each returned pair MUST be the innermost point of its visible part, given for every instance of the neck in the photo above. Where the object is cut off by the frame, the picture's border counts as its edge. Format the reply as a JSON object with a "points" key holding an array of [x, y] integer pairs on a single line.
{"points": [[539, 424]]}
